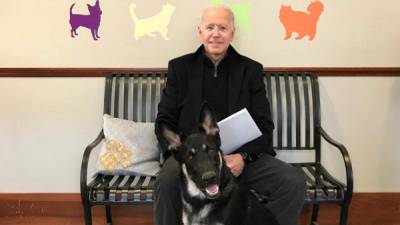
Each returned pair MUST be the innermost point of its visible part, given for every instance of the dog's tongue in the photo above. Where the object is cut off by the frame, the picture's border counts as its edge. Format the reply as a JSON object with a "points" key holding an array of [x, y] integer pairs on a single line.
{"points": [[212, 189]]}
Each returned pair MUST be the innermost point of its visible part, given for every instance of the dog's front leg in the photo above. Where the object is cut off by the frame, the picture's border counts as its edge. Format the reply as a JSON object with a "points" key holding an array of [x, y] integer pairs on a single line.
{"points": [[185, 220]]}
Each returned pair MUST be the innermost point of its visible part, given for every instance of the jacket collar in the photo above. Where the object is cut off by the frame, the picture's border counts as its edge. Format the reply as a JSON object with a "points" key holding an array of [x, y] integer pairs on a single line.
{"points": [[196, 69], [230, 52]]}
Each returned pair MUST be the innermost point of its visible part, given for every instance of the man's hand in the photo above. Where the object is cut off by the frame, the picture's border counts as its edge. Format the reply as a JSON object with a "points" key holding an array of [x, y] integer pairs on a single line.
{"points": [[235, 163]]}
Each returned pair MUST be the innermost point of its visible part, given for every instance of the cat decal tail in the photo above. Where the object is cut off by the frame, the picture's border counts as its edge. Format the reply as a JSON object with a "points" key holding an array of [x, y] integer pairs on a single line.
{"points": [[303, 23], [152, 25]]}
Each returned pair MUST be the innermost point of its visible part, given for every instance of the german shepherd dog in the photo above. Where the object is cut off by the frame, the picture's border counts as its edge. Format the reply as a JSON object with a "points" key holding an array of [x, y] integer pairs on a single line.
{"points": [[211, 195]]}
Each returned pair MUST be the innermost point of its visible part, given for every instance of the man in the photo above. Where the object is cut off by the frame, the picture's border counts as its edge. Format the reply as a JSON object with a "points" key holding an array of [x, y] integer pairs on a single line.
{"points": [[229, 82]]}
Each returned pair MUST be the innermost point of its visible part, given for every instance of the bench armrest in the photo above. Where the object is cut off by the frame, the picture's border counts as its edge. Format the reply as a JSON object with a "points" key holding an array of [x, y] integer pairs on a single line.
{"points": [[85, 161], [346, 158]]}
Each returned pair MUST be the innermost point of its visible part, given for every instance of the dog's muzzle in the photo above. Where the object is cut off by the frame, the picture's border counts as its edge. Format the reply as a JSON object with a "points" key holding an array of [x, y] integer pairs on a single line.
{"points": [[212, 191], [211, 186]]}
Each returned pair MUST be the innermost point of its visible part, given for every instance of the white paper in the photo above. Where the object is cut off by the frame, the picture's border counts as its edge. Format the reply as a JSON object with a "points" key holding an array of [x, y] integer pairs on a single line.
{"points": [[236, 130]]}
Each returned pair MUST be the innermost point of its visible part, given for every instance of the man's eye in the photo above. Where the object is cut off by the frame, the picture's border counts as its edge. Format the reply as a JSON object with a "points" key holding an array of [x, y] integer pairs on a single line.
{"points": [[209, 28]]}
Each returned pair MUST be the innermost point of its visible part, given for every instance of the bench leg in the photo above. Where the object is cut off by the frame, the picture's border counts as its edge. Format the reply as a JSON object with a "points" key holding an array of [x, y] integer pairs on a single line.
{"points": [[87, 212], [314, 216], [344, 211], [108, 215]]}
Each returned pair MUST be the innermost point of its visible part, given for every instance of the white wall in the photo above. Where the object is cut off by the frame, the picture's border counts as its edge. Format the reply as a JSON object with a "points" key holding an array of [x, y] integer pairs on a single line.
{"points": [[349, 34], [363, 113], [45, 124]]}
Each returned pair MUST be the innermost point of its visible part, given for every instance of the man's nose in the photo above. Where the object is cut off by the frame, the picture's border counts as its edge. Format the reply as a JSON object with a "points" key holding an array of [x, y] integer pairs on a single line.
{"points": [[216, 33]]}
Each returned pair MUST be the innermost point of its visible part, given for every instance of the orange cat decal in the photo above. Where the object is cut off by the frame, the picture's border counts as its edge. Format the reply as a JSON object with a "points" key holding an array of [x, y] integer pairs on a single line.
{"points": [[303, 23]]}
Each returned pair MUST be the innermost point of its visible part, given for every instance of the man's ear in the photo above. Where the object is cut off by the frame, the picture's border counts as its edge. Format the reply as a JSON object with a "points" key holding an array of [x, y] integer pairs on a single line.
{"points": [[199, 31], [208, 122], [172, 139]]}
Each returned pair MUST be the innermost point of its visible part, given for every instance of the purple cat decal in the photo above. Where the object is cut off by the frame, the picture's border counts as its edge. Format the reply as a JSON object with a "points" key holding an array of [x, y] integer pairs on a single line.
{"points": [[91, 21]]}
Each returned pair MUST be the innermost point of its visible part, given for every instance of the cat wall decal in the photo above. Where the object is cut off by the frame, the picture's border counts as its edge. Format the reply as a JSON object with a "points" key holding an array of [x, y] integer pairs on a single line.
{"points": [[303, 23], [241, 10], [152, 25], [91, 21]]}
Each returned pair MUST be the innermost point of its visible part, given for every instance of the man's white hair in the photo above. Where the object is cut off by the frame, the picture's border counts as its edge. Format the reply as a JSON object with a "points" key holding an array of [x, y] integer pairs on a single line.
{"points": [[218, 6]]}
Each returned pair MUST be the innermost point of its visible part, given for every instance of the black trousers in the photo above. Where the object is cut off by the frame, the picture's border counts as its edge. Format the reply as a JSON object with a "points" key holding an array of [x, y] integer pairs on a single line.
{"points": [[282, 184]]}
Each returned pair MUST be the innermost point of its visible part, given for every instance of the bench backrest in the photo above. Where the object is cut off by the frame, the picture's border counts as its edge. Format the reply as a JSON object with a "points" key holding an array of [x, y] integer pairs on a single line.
{"points": [[294, 100]]}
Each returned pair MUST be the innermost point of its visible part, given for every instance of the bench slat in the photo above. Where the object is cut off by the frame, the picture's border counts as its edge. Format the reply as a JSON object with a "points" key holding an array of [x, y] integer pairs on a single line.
{"points": [[100, 194], [126, 96], [114, 187], [289, 111], [116, 96], [135, 91], [297, 110], [279, 111], [307, 111]]}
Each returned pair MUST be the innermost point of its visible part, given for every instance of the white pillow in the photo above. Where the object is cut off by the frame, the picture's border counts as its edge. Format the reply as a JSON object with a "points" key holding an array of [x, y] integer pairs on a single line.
{"points": [[130, 148]]}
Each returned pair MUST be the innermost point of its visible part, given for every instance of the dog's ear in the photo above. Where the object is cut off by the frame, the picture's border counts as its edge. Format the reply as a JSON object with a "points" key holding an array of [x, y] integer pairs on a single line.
{"points": [[208, 122], [173, 139]]}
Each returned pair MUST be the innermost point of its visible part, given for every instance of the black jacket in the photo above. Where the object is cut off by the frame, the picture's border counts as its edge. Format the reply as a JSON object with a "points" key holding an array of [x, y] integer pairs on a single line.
{"points": [[181, 99]]}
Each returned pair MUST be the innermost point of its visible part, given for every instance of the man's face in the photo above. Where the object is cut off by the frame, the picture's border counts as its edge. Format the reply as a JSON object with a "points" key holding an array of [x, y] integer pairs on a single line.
{"points": [[216, 32]]}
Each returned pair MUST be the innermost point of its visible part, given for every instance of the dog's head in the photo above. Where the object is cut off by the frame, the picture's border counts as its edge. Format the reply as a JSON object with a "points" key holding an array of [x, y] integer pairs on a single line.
{"points": [[199, 156]]}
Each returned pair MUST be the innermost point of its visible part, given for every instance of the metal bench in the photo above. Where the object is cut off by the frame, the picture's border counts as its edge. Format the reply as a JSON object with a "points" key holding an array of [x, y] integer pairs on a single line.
{"points": [[295, 105]]}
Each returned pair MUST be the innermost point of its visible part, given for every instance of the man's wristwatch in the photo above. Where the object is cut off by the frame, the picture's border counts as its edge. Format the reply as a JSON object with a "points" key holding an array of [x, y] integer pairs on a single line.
{"points": [[245, 156], [249, 157]]}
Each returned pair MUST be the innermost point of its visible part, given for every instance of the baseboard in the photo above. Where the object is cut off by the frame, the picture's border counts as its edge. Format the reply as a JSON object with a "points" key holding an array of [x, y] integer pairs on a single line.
{"points": [[365, 209]]}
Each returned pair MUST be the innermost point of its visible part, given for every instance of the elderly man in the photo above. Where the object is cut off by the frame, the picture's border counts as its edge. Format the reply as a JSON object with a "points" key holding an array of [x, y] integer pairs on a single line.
{"points": [[229, 82]]}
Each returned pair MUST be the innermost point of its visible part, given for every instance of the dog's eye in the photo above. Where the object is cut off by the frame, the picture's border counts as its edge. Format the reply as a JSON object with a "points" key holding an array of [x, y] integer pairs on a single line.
{"points": [[192, 152]]}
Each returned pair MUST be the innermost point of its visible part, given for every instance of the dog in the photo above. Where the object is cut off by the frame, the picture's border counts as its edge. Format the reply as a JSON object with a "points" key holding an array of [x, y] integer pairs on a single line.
{"points": [[302, 23], [158, 23], [210, 194], [91, 21]]}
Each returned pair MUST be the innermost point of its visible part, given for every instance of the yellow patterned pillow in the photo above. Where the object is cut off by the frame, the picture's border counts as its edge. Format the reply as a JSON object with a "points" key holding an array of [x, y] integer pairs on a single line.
{"points": [[116, 154], [129, 148]]}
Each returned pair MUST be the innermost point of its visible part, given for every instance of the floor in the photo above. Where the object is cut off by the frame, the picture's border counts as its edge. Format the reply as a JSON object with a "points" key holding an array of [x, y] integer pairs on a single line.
{"points": [[68, 221], [117, 221]]}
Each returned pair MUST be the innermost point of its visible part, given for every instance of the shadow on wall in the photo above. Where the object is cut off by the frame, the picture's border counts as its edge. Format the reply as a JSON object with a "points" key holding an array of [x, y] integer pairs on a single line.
{"points": [[390, 142], [330, 156]]}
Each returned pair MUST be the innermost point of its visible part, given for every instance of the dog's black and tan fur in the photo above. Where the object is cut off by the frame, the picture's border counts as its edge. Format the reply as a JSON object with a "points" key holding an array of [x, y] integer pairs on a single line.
{"points": [[211, 195]]}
